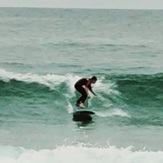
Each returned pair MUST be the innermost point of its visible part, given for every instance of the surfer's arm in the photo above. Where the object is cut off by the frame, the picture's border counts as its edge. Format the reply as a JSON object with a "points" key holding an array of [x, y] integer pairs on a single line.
{"points": [[93, 92], [90, 88]]}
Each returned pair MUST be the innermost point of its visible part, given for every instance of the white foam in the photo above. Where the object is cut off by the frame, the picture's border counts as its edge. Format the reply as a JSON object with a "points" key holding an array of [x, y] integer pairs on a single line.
{"points": [[108, 87], [80, 154], [50, 80], [53, 79], [113, 112], [71, 108]]}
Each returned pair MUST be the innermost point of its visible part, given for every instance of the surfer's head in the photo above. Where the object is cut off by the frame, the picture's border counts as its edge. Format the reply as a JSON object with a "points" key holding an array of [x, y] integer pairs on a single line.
{"points": [[94, 79]]}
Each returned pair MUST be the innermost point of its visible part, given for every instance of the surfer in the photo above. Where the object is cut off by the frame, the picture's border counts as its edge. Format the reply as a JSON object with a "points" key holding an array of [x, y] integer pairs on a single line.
{"points": [[82, 86]]}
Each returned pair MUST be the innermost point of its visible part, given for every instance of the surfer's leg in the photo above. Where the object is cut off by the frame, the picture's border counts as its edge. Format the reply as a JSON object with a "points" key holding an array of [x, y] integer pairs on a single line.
{"points": [[83, 97]]}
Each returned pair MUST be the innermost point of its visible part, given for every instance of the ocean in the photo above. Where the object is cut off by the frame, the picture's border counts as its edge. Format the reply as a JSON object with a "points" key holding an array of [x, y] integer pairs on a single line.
{"points": [[45, 51]]}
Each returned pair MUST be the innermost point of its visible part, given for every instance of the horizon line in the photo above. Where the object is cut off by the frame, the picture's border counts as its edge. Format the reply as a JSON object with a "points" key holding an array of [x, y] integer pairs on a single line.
{"points": [[80, 8]]}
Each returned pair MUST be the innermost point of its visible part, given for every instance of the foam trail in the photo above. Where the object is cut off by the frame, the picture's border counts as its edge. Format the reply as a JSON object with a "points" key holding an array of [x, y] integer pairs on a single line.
{"points": [[113, 112], [71, 108]]}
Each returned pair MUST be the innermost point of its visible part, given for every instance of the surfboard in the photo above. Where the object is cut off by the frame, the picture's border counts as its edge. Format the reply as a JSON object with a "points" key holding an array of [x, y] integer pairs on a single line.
{"points": [[82, 115], [85, 112]]}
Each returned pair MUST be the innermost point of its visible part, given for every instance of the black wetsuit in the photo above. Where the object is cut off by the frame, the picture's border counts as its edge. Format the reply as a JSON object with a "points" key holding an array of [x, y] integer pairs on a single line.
{"points": [[79, 87]]}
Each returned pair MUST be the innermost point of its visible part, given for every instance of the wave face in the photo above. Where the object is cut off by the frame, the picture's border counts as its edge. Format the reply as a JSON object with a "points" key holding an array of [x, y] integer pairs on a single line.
{"points": [[138, 97], [141, 89]]}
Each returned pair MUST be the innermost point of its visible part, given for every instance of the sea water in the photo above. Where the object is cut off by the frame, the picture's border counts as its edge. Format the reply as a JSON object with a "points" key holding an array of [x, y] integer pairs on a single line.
{"points": [[45, 51]]}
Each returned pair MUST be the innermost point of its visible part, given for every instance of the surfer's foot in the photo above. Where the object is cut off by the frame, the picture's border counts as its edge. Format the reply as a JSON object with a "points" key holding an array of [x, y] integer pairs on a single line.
{"points": [[82, 105]]}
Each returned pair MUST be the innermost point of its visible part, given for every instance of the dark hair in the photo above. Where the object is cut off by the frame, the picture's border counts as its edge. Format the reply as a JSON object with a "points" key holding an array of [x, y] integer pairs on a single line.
{"points": [[94, 78]]}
